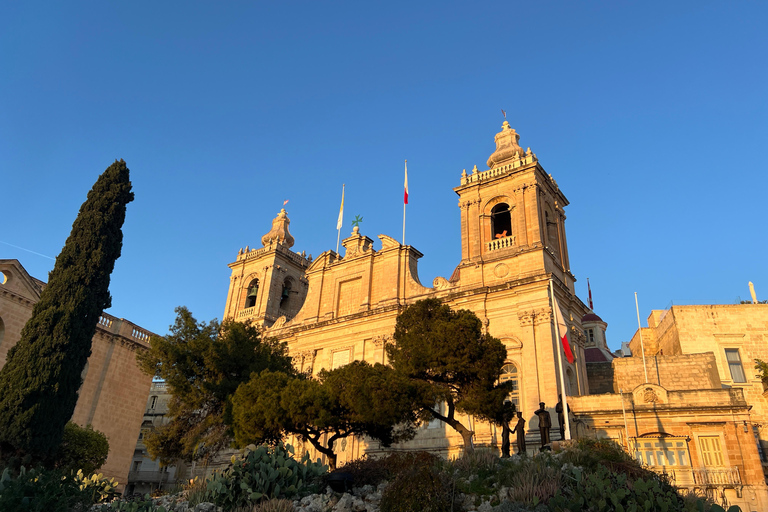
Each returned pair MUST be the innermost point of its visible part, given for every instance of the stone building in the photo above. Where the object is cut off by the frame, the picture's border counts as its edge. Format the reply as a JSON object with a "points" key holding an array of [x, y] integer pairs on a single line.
{"points": [[147, 475], [339, 308], [735, 334], [114, 390], [684, 423]]}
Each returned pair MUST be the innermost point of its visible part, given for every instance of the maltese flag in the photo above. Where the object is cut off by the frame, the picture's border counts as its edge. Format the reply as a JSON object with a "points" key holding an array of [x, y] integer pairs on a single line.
{"points": [[405, 197], [563, 330]]}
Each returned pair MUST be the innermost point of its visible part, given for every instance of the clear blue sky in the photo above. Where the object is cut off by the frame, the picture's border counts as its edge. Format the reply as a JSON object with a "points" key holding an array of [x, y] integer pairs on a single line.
{"points": [[650, 115]]}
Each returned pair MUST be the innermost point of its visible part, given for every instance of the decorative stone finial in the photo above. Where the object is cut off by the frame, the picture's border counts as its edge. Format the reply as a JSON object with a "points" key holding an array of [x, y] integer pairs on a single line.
{"points": [[279, 231], [506, 146]]}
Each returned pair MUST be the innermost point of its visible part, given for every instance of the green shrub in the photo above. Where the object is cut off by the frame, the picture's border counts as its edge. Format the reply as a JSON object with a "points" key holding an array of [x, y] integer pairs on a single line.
{"points": [[141, 505], [535, 483], [44, 491], [422, 488], [81, 449], [373, 471], [605, 490], [262, 473]]}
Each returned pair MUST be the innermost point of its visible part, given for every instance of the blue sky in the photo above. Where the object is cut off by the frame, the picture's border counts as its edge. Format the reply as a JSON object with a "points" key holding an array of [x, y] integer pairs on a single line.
{"points": [[651, 117]]}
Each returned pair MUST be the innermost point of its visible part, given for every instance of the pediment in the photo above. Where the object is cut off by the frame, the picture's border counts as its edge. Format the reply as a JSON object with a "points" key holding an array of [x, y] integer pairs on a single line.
{"points": [[18, 281]]}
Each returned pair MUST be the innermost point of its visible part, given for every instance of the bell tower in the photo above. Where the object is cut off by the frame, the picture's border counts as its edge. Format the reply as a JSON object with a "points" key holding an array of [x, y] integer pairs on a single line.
{"points": [[513, 214], [268, 285]]}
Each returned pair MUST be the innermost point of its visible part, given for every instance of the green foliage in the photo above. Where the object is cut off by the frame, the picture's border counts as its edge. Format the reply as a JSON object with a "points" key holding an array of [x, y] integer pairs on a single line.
{"points": [[43, 371], [262, 473], [762, 372], [591, 454], [355, 399], [202, 365], [373, 471], [421, 487], [81, 449], [143, 505], [50, 491], [604, 490], [447, 352]]}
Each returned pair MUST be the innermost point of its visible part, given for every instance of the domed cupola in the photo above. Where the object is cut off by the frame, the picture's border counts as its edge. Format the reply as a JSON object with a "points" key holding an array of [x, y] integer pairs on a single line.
{"points": [[279, 231], [506, 146]]}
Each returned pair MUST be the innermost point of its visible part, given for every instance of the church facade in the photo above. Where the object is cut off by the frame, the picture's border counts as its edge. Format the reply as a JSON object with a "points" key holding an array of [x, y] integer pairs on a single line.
{"points": [[342, 307]]}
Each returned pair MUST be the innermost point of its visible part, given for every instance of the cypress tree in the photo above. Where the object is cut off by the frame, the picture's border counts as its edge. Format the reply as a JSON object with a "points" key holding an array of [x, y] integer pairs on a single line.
{"points": [[40, 380]]}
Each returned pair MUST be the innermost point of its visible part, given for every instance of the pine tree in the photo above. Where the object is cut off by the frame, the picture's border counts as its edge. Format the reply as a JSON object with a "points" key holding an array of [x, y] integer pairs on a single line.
{"points": [[43, 372]]}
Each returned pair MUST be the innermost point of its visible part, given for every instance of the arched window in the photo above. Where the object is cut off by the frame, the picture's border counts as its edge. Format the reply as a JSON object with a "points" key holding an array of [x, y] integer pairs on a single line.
{"points": [[501, 221], [285, 296], [570, 382], [509, 373], [253, 292], [551, 231]]}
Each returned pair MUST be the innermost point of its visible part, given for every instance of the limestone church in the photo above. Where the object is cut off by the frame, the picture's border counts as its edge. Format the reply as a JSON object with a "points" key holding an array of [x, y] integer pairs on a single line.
{"points": [[342, 307]]}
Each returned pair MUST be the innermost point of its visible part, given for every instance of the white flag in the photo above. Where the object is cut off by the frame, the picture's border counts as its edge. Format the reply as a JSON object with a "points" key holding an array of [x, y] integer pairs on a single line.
{"points": [[341, 210]]}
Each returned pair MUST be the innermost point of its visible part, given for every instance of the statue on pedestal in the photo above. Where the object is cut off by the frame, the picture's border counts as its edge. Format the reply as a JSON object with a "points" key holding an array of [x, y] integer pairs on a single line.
{"points": [[545, 423]]}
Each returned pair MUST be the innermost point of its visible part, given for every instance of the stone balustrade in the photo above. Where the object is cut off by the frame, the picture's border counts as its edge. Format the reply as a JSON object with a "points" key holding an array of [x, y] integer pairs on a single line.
{"points": [[501, 243], [246, 313], [124, 328], [475, 177]]}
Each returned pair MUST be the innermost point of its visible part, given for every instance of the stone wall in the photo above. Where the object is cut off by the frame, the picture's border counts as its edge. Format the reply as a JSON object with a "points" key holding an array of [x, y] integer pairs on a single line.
{"points": [[600, 376], [692, 371], [114, 391]]}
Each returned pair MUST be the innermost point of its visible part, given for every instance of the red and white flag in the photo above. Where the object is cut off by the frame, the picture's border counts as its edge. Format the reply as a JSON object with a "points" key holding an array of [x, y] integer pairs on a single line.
{"points": [[405, 197], [563, 330]]}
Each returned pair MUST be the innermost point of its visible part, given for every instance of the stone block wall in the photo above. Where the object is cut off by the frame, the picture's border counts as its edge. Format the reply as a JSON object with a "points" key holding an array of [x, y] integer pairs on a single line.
{"points": [[691, 371]]}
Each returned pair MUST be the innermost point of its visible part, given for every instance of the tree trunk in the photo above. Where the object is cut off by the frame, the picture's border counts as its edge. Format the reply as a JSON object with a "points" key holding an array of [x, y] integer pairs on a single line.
{"points": [[450, 419], [328, 452]]}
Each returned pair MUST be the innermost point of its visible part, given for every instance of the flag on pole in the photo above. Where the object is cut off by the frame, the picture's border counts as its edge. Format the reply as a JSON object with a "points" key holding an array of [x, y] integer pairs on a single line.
{"points": [[590, 296], [341, 210], [563, 328], [285, 202], [405, 197]]}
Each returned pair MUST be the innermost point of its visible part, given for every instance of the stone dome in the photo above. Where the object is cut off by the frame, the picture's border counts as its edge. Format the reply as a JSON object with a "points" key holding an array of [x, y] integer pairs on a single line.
{"points": [[591, 317], [279, 231], [507, 147]]}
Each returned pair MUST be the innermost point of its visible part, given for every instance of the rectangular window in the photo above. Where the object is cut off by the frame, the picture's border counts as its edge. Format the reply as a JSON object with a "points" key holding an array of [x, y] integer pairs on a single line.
{"points": [[711, 454], [152, 402], [591, 334], [734, 364], [664, 452]]}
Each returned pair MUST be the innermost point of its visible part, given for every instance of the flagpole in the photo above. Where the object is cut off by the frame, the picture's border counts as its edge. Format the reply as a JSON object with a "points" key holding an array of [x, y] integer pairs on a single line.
{"points": [[560, 363], [341, 218], [405, 198], [640, 332]]}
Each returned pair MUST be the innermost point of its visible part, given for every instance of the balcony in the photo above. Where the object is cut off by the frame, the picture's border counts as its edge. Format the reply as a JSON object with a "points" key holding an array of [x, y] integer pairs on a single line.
{"points": [[682, 476], [501, 243], [246, 313], [717, 477]]}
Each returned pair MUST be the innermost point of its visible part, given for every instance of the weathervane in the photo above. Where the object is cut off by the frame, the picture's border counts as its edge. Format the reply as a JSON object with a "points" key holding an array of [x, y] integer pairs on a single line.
{"points": [[504, 114], [356, 222]]}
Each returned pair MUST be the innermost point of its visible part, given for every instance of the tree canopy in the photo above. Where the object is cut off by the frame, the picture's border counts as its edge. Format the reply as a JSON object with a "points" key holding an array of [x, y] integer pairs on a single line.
{"points": [[447, 351], [203, 364], [355, 399], [43, 372]]}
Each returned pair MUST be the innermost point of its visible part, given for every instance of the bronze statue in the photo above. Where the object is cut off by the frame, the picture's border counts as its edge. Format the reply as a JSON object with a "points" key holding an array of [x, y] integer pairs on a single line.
{"points": [[545, 423], [520, 429], [561, 415], [508, 412]]}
